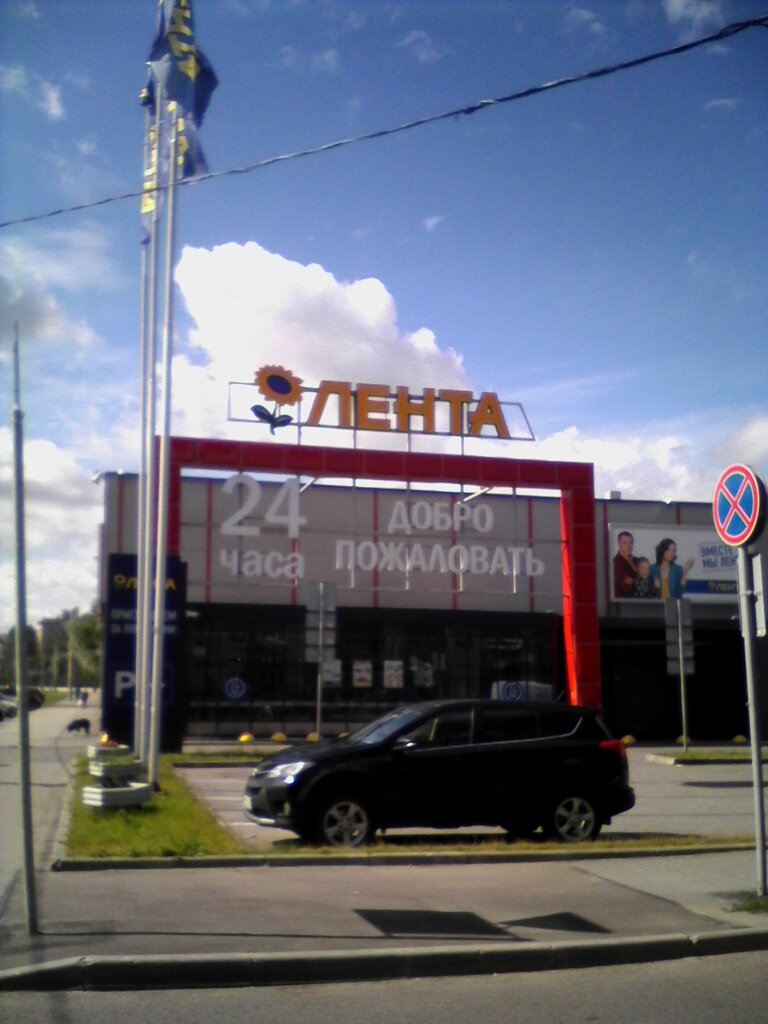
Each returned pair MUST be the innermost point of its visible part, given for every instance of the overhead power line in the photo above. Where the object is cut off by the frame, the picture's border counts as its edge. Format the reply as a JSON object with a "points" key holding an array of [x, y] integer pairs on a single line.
{"points": [[724, 33]]}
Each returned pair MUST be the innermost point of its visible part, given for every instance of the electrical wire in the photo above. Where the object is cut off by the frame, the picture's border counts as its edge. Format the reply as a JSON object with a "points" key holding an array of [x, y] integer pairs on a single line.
{"points": [[473, 108]]}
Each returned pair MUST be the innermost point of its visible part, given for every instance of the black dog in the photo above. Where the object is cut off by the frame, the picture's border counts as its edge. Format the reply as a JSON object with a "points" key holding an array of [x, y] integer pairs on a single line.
{"points": [[80, 725]]}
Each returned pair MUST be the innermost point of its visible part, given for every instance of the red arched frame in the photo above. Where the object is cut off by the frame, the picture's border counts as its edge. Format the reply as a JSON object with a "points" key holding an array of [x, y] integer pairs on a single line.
{"points": [[573, 480]]}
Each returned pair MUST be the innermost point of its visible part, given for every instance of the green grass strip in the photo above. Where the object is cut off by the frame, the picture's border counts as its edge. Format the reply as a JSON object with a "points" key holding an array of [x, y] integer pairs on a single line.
{"points": [[173, 824], [752, 905], [53, 697], [176, 824], [717, 756]]}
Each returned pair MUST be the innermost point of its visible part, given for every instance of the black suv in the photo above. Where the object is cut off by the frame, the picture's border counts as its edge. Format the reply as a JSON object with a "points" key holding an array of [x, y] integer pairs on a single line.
{"points": [[445, 764]]}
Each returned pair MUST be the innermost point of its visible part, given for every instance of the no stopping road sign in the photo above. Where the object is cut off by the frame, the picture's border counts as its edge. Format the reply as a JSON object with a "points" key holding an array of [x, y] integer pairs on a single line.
{"points": [[738, 507]]}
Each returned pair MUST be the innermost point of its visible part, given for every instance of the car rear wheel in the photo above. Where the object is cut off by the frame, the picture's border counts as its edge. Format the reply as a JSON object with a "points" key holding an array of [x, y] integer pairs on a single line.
{"points": [[574, 819], [342, 821]]}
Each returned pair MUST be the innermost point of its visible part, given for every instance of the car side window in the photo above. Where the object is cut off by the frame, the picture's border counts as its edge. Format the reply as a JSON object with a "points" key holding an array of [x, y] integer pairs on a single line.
{"points": [[558, 723], [502, 724], [450, 729]]}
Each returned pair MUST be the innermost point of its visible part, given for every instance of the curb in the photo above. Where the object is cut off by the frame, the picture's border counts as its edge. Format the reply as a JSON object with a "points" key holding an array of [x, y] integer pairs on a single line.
{"points": [[222, 970], [684, 762], [65, 815], [63, 863]]}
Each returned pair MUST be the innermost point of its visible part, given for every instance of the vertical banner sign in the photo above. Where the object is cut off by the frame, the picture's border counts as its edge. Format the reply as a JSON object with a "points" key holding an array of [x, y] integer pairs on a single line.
{"points": [[119, 680], [738, 510]]}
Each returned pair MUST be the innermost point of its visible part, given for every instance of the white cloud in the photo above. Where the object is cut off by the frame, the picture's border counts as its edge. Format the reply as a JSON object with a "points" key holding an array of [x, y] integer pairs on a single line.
{"points": [[563, 392], [81, 171], [640, 465], [327, 60], [75, 260], [80, 79], [24, 300], [722, 104], [745, 442], [253, 307], [430, 223], [291, 58], [33, 90], [13, 79], [420, 45], [681, 460], [49, 101], [697, 14], [579, 18], [62, 512]]}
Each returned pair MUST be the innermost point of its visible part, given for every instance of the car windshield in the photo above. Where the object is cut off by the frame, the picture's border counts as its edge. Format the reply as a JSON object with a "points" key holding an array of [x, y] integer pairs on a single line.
{"points": [[386, 726]]}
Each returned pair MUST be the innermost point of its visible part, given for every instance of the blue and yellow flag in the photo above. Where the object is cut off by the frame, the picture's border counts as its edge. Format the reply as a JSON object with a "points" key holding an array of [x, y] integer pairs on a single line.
{"points": [[181, 75]]}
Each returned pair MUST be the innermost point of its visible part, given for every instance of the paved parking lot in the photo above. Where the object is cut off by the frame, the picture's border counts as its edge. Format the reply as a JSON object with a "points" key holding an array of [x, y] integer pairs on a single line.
{"points": [[671, 799]]}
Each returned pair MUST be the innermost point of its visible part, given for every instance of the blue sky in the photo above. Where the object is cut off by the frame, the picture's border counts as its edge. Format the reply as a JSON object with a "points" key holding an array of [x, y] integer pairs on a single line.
{"points": [[596, 252]]}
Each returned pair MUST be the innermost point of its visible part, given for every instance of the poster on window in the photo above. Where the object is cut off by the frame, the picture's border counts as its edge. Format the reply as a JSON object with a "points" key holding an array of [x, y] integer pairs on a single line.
{"points": [[393, 675], [362, 674], [331, 671], [650, 563]]}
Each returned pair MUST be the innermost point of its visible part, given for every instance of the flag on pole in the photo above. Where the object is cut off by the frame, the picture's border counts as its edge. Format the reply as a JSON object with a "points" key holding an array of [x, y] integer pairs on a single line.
{"points": [[182, 76], [178, 90], [177, 63]]}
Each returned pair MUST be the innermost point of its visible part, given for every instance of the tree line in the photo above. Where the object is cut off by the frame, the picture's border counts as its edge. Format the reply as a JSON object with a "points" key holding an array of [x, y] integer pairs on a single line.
{"points": [[64, 651]]}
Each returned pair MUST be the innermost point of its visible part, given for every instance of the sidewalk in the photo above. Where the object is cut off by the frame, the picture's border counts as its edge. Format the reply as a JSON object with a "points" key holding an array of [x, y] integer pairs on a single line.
{"points": [[178, 927]]}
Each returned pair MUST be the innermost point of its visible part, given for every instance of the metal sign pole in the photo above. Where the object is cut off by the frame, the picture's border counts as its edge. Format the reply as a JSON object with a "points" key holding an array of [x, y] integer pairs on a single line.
{"points": [[681, 662], [320, 644], [739, 512], [747, 616]]}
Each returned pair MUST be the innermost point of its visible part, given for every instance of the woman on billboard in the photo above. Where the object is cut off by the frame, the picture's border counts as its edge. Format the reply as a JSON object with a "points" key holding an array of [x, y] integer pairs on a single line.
{"points": [[671, 577]]}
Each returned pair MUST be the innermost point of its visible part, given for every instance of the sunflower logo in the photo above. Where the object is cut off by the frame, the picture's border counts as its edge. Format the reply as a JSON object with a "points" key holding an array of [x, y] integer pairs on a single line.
{"points": [[280, 386]]}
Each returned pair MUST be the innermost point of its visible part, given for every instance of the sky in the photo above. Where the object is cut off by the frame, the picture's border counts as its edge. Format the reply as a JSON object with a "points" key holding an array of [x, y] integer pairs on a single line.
{"points": [[595, 252]]}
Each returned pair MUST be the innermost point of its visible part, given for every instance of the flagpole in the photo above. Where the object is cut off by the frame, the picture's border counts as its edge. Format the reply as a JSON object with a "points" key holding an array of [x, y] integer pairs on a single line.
{"points": [[147, 490], [180, 85], [163, 465]]}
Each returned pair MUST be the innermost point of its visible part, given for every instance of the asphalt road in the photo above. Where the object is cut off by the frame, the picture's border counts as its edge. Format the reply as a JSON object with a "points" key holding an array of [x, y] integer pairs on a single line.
{"points": [[708, 991]]}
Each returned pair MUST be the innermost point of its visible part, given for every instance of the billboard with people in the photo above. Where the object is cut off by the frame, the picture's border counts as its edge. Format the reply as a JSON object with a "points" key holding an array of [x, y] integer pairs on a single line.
{"points": [[663, 562]]}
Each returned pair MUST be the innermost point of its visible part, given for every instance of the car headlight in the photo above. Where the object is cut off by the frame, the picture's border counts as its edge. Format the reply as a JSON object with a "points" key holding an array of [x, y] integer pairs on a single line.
{"points": [[287, 772]]}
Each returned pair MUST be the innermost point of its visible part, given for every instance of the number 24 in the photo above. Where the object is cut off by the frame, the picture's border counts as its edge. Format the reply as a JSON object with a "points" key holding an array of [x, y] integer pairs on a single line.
{"points": [[283, 511]]}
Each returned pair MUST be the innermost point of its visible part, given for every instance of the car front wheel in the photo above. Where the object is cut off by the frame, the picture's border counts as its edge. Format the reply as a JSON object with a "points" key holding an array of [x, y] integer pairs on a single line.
{"points": [[574, 819], [343, 821]]}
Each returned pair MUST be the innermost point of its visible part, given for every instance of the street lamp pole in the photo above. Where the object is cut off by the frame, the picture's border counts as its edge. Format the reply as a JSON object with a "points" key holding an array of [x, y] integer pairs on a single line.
{"points": [[21, 652]]}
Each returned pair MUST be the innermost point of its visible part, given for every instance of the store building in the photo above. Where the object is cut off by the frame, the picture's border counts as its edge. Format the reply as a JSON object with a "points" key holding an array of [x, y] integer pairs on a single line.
{"points": [[311, 585]]}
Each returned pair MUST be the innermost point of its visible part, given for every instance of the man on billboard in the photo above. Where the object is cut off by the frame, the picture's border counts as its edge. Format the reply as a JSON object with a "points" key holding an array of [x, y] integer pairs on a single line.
{"points": [[624, 566]]}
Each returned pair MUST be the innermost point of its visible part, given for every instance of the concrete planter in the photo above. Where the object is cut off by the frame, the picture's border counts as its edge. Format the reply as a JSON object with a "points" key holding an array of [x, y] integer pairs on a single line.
{"points": [[132, 795], [97, 752], [116, 771]]}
